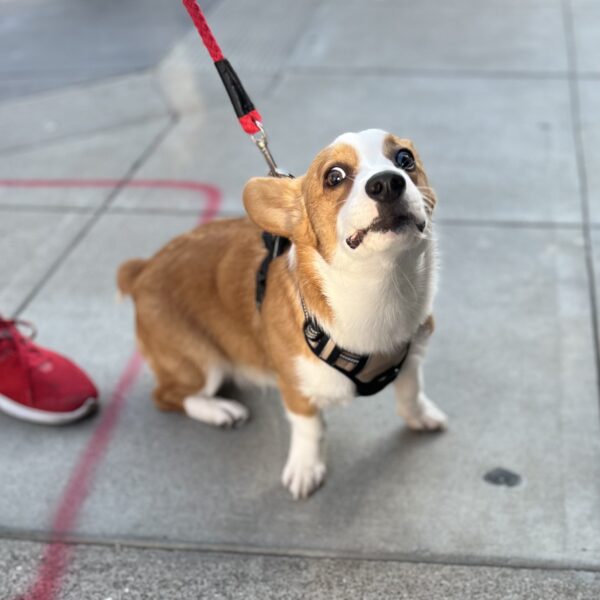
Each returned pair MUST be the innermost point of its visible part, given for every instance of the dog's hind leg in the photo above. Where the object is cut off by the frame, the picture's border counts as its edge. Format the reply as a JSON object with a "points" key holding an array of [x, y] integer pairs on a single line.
{"points": [[171, 391], [199, 401], [188, 381], [206, 407]]}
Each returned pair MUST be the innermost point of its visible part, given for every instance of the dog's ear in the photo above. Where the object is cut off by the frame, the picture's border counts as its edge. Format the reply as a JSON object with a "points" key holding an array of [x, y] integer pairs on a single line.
{"points": [[275, 204]]}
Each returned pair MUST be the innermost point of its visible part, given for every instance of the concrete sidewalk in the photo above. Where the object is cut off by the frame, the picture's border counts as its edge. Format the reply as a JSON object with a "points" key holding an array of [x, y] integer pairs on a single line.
{"points": [[501, 99]]}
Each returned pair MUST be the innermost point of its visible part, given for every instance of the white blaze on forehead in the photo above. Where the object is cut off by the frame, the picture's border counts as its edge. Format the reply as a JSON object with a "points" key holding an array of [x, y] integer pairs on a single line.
{"points": [[368, 145], [359, 209]]}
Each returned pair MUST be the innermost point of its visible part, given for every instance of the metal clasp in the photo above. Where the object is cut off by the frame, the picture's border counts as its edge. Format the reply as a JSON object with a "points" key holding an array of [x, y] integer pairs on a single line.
{"points": [[262, 143]]}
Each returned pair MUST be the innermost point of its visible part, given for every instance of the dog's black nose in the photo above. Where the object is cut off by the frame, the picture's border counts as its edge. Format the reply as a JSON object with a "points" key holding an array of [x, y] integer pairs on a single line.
{"points": [[386, 186]]}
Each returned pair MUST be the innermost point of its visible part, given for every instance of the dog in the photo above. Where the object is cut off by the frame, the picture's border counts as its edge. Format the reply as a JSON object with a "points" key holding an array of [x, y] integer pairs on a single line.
{"points": [[346, 310]]}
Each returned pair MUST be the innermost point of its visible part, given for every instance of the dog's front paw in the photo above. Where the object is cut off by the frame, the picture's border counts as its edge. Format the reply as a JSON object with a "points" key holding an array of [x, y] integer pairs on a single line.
{"points": [[215, 411], [302, 477], [424, 415]]}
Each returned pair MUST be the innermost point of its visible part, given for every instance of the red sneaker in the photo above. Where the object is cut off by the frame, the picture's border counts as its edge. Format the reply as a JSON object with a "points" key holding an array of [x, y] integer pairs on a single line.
{"points": [[39, 385]]}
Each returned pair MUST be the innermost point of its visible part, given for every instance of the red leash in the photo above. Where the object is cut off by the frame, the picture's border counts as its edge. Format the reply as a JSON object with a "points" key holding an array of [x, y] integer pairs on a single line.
{"points": [[250, 120], [204, 30], [247, 115]]}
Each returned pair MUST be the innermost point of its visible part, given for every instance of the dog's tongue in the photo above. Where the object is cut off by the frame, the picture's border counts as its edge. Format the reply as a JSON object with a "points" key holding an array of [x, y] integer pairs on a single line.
{"points": [[355, 240]]}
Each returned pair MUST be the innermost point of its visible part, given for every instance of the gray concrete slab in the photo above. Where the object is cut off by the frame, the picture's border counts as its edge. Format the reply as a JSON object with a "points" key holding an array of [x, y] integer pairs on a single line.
{"points": [[33, 456], [586, 24], [512, 363], [81, 110], [208, 147], [45, 45], [35, 464], [98, 573], [589, 95], [492, 147], [29, 244], [595, 255], [103, 155], [493, 36]]}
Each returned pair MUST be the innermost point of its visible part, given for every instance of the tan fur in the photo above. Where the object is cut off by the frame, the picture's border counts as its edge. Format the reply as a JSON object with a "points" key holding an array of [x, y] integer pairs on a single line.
{"points": [[323, 203], [304, 211], [391, 146], [128, 273], [195, 310]]}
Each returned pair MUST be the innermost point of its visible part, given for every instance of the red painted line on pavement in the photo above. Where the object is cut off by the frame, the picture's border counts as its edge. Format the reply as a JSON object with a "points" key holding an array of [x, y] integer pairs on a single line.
{"points": [[57, 555], [211, 192]]}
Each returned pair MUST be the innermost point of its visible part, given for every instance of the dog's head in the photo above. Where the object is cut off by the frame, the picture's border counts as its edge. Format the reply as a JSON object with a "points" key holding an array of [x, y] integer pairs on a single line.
{"points": [[365, 193]]}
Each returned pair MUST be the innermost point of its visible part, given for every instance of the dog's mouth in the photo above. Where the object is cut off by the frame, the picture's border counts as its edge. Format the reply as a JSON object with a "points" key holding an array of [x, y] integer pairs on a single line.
{"points": [[393, 224]]}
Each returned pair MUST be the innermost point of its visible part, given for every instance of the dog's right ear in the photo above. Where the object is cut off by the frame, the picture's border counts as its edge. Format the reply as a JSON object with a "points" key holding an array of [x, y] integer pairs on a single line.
{"points": [[275, 204]]}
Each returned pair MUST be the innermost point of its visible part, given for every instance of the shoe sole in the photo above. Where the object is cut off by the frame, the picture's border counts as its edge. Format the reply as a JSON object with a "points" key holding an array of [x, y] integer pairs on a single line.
{"points": [[45, 417]]}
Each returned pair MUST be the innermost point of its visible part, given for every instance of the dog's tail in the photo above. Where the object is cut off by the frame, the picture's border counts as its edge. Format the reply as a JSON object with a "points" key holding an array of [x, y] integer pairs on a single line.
{"points": [[127, 274]]}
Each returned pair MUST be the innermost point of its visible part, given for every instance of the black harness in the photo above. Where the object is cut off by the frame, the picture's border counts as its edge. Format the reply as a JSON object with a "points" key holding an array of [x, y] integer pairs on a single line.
{"points": [[370, 373], [276, 246]]}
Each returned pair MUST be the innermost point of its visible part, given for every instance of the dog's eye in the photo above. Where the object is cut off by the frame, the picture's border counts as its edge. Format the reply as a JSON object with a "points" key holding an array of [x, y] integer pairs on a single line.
{"points": [[405, 160], [335, 176]]}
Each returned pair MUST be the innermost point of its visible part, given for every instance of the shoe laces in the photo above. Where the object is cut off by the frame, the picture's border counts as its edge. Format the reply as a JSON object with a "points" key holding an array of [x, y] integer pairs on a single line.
{"points": [[22, 344]]}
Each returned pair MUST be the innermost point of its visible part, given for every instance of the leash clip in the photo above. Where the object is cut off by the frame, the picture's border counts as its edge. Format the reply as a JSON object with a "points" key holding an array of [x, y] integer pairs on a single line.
{"points": [[262, 143]]}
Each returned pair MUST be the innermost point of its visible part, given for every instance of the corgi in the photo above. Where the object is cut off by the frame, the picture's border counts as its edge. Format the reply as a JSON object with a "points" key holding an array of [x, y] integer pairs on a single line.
{"points": [[345, 310]]}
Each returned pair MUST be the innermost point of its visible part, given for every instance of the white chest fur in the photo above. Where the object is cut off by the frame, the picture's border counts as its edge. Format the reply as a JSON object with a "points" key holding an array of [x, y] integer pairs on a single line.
{"points": [[378, 304]]}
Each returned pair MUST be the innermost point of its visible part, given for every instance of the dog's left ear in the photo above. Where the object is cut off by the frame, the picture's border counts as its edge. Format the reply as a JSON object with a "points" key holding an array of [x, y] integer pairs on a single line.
{"points": [[275, 204]]}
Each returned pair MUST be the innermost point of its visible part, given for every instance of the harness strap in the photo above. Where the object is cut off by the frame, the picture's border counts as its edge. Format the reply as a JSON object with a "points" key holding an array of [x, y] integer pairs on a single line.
{"points": [[370, 373], [276, 246]]}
